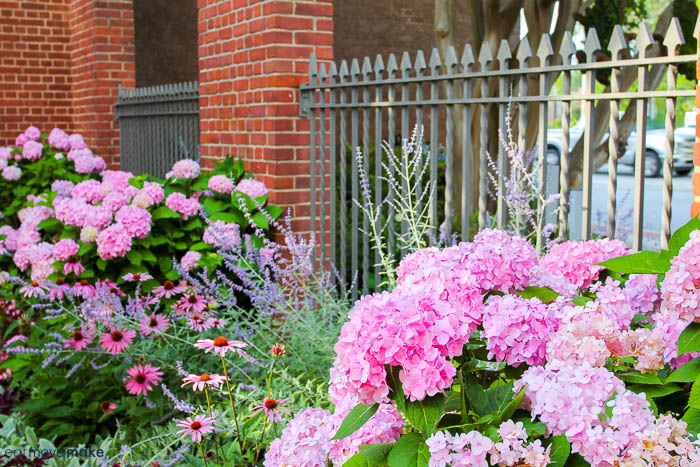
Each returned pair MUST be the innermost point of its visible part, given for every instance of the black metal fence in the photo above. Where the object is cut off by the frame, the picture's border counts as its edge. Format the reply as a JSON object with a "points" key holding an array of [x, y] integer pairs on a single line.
{"points": [[158, 126]]}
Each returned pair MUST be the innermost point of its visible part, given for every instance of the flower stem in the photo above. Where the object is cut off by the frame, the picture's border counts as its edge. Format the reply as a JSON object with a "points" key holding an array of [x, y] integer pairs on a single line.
{"points": [[201, 449], [233, 407], [211, 414]]}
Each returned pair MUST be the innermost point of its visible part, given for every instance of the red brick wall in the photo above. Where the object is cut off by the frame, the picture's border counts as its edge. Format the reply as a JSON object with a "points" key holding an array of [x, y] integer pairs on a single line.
{"points": [[35, 80], [252, 56], [102, 39]]}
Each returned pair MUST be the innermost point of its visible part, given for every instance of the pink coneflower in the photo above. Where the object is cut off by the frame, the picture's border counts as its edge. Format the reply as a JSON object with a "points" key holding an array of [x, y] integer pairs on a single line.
{"points": [[73, 265], [57, 293], [137, 277], [154, 324], [143, 377], [199, 381], [111, 287], [84, 288], [117, 340], [31, 289], [220, 345], [272, 409], [79, 339], [197, 426], [168, 289], [107, 407], [198, 323], [192, 303], [217, 322]]}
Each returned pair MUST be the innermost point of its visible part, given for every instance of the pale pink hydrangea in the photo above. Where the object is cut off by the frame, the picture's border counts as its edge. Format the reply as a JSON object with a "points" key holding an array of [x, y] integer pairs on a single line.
{"points": [[252, 188], [88, 234], [113, 242], [222, 234], [27, 237], [63, 188], [154, 191], [186, 168], [11, 237], [74, 154], [84, 164], [76, 141], [188, 261], [646, 345], [517, 329], [576, 261], [670, 327], [71, 211], [666, 443], [117, 179], [404, 328], [613, 302], [100, 164], [21, 140], [512, 448], [543, 277], [136, 221], [142, 200], [183, 205], [498, 260], [11, 173], [568, 344], [32, 132], [680, 289], [59, 139], [65, 248], [5, 153], [98, 217], [31, 217], [3, 164], [221, 184], [32, 150], [642, 293], [115, 201], [463, 449], [304, 441], [41, 271], [88, 190]]}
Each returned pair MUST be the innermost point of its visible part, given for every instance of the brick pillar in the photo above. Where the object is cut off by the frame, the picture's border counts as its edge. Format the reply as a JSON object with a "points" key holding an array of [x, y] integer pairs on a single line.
{"points": [[253, 54], [102, 38], [35, 79]]}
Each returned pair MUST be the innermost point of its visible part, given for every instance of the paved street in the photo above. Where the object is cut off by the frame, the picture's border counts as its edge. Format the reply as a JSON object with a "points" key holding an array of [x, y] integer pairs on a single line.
{"points": [[682, 197]]}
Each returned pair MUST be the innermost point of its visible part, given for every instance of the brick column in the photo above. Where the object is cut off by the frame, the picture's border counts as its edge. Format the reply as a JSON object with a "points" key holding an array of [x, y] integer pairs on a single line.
{"points": [[102, 39], [253, 54], [35, 79]]}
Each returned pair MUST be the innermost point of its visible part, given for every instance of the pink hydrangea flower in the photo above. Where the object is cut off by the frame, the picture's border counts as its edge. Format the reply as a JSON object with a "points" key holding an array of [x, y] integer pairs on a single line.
{"points": [[32, 133], [185, 168], [21, 140], [113, 242], [188, 261], [183, 205], [76, 141], [304, 441], [154, 191], [115, 200], [136, 221], [642, 293], [11, 173], [64, 249], [88, 190], [517, 330], [680, 289], [222, 234], [5, 153], [59, 139], [32, 150], [465, 449], [84, 164], [252, 188], [221, 184], [577, 261], [88, 234]]}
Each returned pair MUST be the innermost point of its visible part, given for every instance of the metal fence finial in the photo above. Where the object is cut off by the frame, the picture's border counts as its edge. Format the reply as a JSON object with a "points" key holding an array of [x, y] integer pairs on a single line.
{"points": [[420, 65], [504, 54], [545, 50], [467, 57], [451, 61], [524, 53], [568, 48], [435, 62], [674, 37], [485, 56], [378, 66], [405, 63], [392, 66], [617, 42], [644, 39], [591, 45]]}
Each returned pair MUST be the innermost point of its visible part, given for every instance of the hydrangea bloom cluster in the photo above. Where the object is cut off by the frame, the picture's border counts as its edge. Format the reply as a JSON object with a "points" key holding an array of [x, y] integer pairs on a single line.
{"points": [[252, 188], [576, 261], [517, 329], [181, 204], [186, 168], [222, 234], [680, 289], [498, 260], [221, 184]]}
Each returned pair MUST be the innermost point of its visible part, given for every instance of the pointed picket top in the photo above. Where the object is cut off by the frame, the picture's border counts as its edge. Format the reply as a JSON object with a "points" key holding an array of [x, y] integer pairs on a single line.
{"points": [[332, 71], [467, 58], [343, 73], [644, 39], [378, 66], [568, 48], [674, 37], [504, 54], [435, 62], [592, 44], [322, 72], [485, 56], [420, 65], [545, 50], [451, 60], [392, 66], [313, 65], [366, 68], [406, 64], [617, 42], [524, 53], [354, 69]]}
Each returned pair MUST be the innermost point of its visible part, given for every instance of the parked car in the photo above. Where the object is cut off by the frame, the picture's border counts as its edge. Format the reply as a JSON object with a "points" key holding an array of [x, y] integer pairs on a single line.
{"points": [[682, 153]]}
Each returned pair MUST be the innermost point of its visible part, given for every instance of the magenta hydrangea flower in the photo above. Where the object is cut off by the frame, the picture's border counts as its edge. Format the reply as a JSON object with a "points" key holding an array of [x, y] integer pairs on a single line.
{"points": [[186, 168], [136, 221], [465, 449], [188, 261], [642, 293], [59, 139], [221, 184], [11, 173], [498, 260], [577, 261], [252, 188], [32, 150], [304, 440], [21, 140], [517, 329], [113, 242], [154, 191], [680, 289], [88, 190], [64, 249], [181, 204]]}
